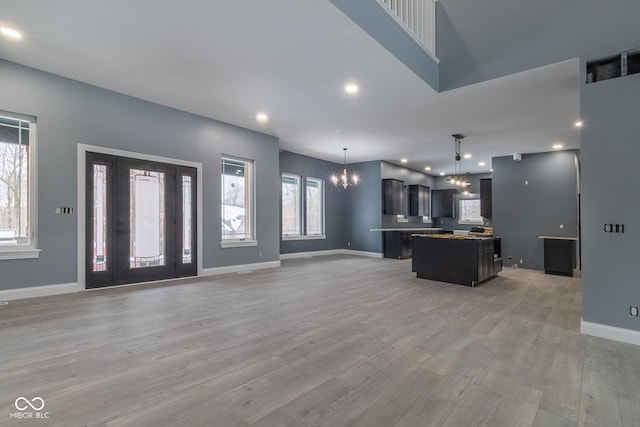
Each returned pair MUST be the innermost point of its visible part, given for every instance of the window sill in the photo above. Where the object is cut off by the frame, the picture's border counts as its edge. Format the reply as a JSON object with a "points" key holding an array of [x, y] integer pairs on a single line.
{"points": [[307, 237], [25, 253], [238, 243]]}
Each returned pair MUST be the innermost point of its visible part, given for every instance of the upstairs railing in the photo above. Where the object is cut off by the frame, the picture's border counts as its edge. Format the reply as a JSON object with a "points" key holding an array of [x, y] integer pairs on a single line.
{"points": [[418, 17]]}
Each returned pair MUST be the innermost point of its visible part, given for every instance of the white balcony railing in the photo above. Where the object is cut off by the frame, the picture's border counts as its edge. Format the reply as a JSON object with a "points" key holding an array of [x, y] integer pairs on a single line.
{"points": [[418, 17]]}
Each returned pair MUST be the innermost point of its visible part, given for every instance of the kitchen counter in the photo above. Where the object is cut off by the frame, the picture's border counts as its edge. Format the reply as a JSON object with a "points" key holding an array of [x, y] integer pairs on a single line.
{"points": [[408, 229]]}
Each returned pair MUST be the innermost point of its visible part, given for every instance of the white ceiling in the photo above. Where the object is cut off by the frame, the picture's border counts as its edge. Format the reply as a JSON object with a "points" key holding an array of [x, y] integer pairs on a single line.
{"points": [[228, 60]]}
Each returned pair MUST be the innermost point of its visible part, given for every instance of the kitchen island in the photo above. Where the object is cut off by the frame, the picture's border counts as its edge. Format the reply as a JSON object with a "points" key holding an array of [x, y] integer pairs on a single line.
{"points": [[464, 260]]}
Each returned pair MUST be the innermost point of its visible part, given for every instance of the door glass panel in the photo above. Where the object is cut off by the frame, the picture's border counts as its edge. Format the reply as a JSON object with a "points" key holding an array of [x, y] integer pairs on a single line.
{"points": [[186, 220], [99, 258], [147, 218]]}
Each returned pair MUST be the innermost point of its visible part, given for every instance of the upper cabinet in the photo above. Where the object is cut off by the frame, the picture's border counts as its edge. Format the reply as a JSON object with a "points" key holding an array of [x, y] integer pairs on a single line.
{"points": [[443, 203], [485, 198], [393, 197], [418, 200]]}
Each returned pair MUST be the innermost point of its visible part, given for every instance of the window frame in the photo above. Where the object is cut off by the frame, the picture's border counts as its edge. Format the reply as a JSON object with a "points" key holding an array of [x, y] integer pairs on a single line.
{"points": [[250, 199], [298, 203], [302, 203], [320, 183], [474, 221], [27, 251]]}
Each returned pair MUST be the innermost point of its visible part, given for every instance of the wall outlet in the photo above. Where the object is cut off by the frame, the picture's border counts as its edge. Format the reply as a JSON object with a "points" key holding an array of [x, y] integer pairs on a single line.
{"points": [[348, 243], [633, 311], [521, 261]]}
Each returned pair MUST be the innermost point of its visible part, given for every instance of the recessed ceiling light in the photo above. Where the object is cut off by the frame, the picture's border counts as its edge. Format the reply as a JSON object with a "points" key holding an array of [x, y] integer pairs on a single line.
{"points": [[442, 174], [557, 146], [427, 168], [491, 170], [578, 124], [404, 160], [262, 117], [482, 164], [11, 33], [467, 156], [351, 88]]}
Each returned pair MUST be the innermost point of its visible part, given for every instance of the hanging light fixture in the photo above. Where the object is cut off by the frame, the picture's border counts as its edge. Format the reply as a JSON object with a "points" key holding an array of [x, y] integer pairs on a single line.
{"points": [[344, 178], [457, 178]]}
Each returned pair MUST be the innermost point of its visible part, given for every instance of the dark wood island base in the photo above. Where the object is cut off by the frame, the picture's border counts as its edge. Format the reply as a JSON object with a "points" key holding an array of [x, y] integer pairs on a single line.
{"points": [[464, 260]]}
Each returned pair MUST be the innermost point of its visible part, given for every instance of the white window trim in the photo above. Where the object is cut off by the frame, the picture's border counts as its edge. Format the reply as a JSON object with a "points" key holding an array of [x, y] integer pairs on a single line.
{"points": [[304, 237], [253, 241], [238, 243], [31, 250], [479, 221], [292, 236], [321, 184]]}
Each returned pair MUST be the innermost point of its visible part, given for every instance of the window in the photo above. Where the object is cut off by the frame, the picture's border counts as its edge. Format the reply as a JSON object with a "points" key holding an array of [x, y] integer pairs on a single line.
{"points": [[470, 211], [17, 186], [296, 222], [237, 202], [314, 207], [290, 205]]}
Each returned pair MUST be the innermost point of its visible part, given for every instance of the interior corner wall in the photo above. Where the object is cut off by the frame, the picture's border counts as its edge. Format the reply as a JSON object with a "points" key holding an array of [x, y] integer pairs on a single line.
{"points": [[610, 153], [364, 209], [69, 113], [334, 200], [533, 197]]}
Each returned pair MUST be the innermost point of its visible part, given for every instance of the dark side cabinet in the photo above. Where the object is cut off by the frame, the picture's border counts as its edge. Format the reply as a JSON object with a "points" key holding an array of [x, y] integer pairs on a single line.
{"points": [[418, 200], [485, 198], [398, 244], [392, 197], [443, 203]]}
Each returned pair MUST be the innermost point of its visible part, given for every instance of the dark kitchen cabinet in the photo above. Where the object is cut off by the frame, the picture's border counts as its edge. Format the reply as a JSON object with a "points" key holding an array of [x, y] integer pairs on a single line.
{"points": [[443, 203], [392, 197], [485, 198], [418, 200], [398, 244], [559, 255]]}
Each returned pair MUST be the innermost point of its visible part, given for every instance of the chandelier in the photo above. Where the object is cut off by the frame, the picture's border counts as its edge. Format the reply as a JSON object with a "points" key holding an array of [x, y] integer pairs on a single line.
{"points": [[458, 178], [344, 179]]}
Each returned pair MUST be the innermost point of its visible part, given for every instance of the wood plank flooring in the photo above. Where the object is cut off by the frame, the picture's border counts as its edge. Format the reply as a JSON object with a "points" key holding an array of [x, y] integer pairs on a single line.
{"points": [[327, 341]]}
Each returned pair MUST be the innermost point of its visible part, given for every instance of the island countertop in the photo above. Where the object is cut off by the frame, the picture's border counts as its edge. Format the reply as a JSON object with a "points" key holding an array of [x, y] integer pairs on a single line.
{"points": [[407, 229]]}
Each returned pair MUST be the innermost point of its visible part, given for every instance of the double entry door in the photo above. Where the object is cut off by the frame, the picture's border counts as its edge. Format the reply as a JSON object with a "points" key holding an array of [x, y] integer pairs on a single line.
{"points": [[140, 221]]}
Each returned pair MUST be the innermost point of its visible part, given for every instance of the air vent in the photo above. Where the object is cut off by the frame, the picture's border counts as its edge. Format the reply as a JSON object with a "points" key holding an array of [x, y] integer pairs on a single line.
{"points": [[619, 65]]}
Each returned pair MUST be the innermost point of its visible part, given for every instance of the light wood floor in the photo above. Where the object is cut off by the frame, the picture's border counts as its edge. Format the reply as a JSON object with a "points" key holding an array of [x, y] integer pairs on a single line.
{"points": [[328, 341]]}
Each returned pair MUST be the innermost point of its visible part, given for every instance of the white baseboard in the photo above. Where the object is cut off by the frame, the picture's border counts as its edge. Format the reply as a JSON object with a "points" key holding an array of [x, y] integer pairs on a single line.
{"points": [[310, 254], [241, 268], [39, 291], [363, 253], [330, 252], [610, 332]]}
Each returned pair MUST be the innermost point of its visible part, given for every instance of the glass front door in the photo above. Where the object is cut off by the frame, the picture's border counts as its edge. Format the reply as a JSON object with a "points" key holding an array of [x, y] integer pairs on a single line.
{"points": [[140, 221]]}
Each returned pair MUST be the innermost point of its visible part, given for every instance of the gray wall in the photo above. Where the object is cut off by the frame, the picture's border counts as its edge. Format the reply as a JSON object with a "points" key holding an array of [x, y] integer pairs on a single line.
{"points": [[334, 203], [474, 193], [610, 153], [533, 197], [478, 41], [364, 209], [69, 112]]}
